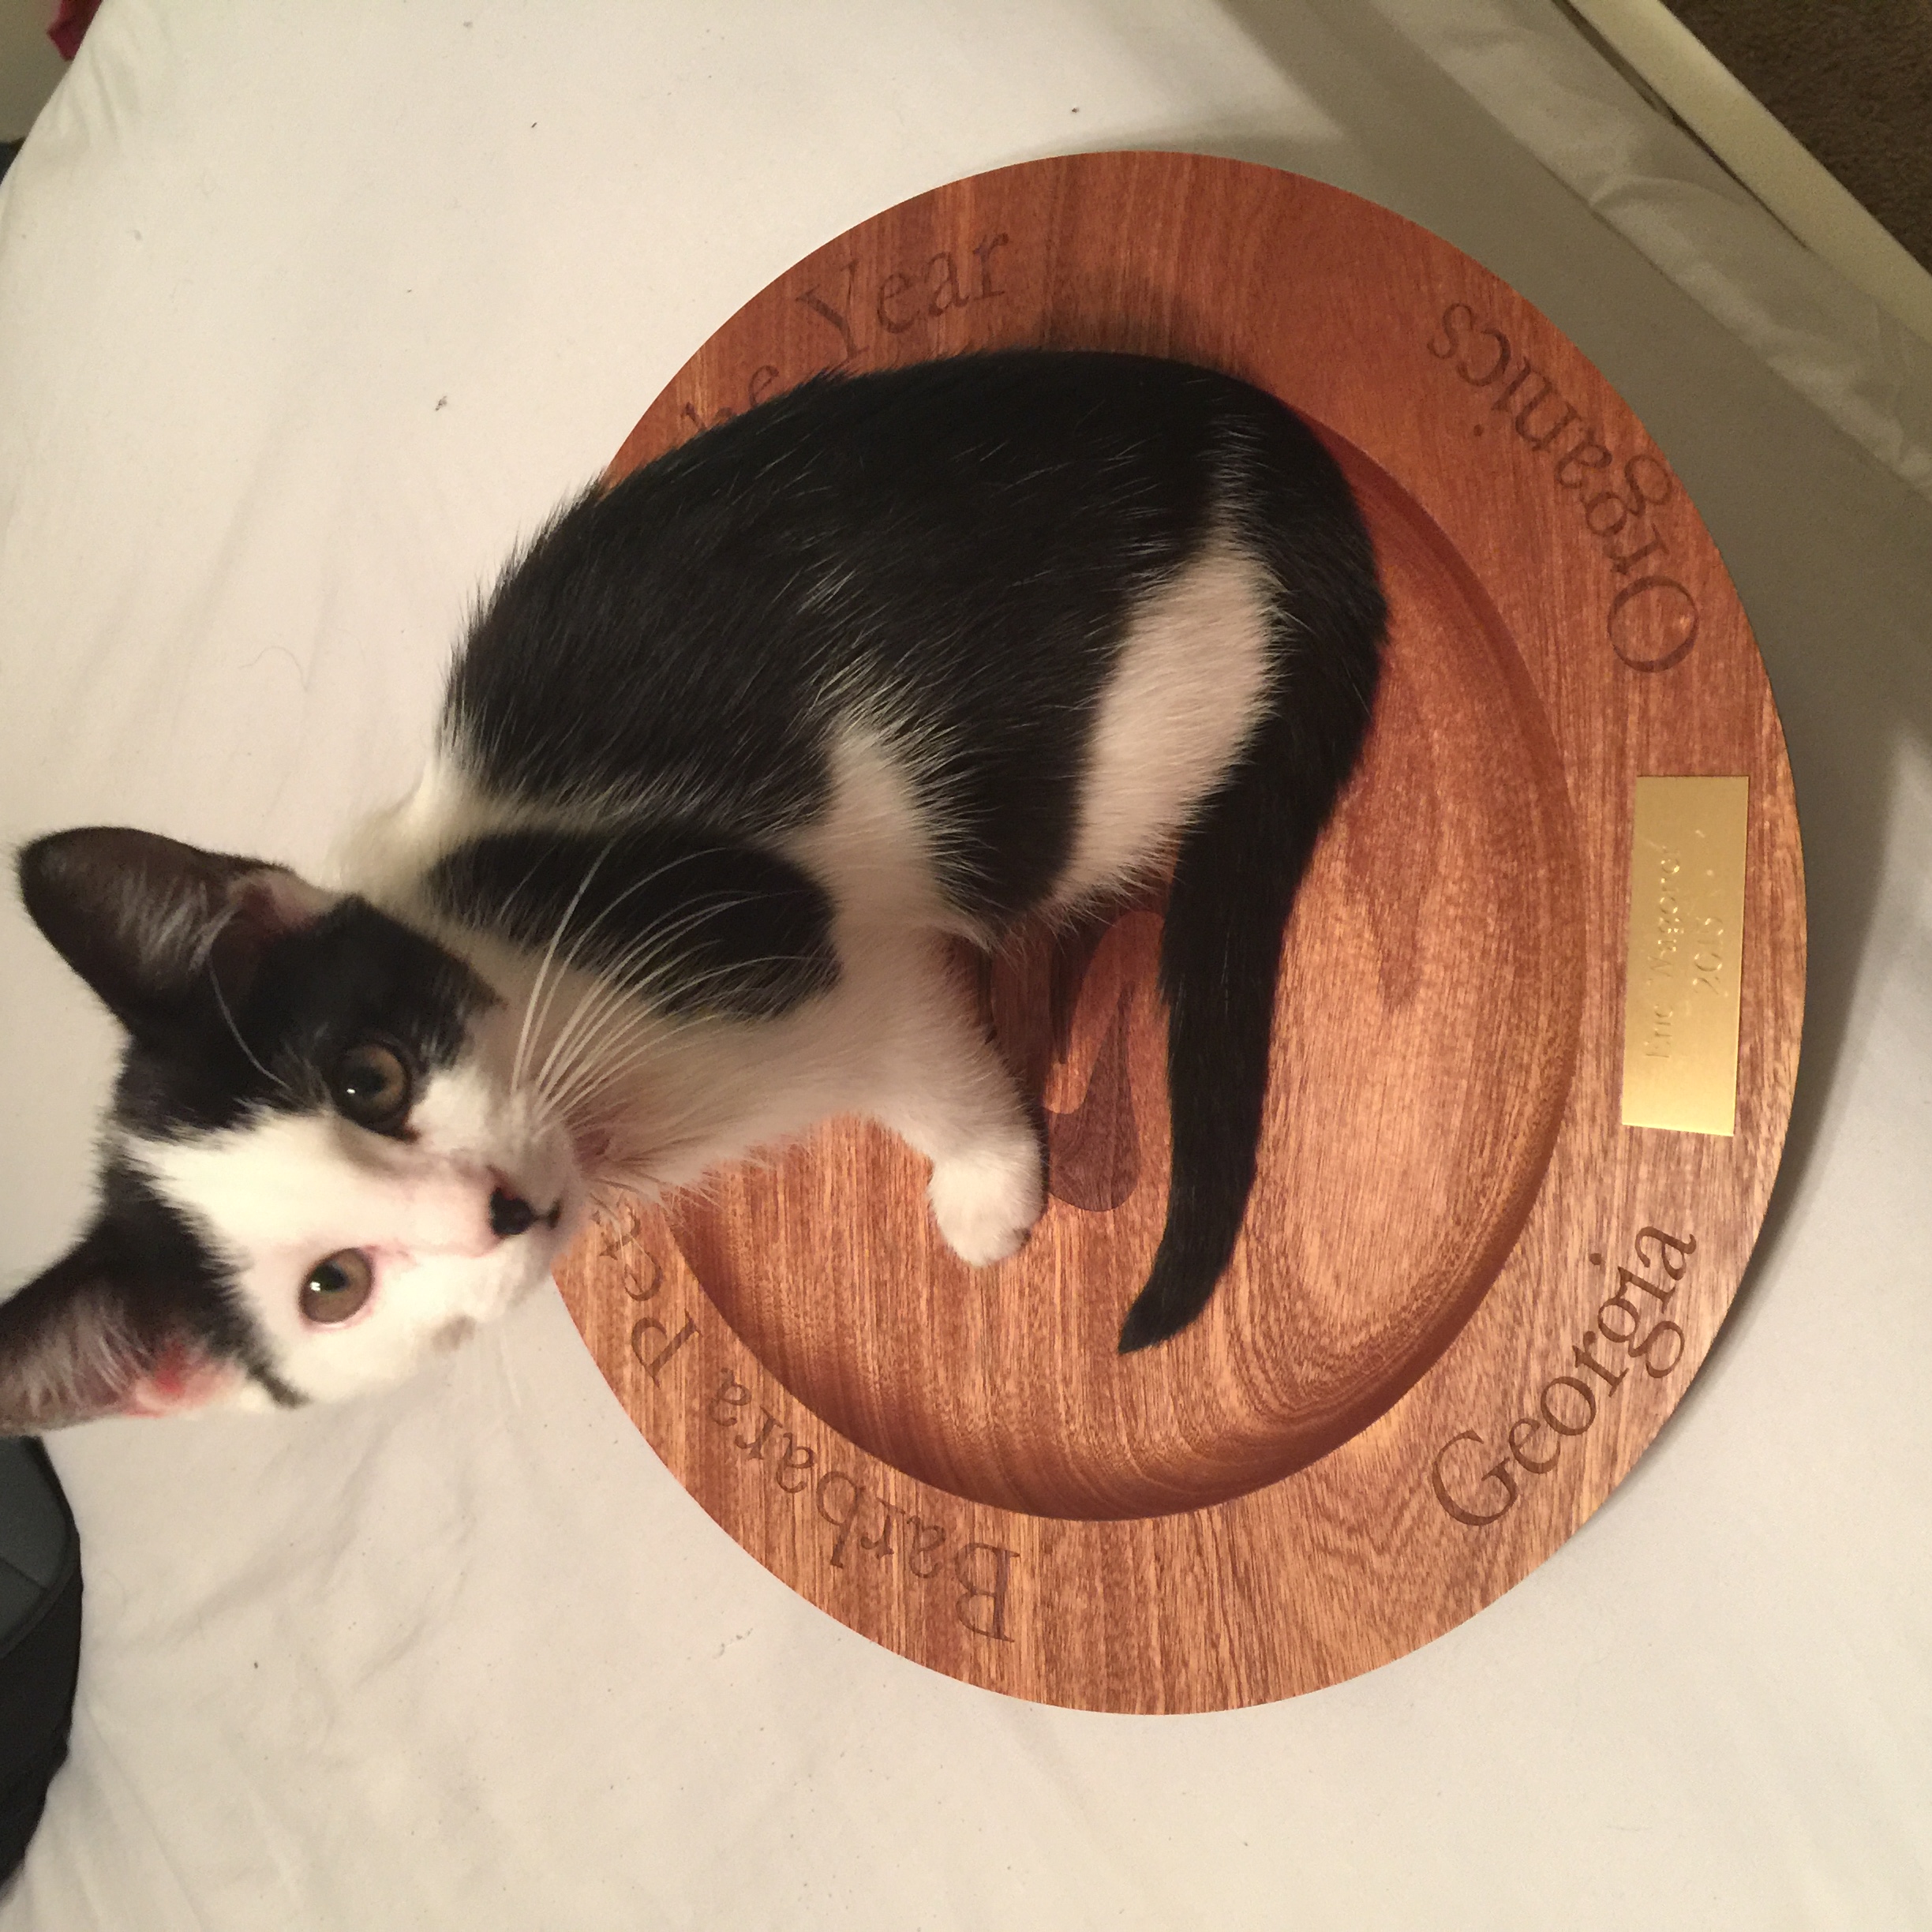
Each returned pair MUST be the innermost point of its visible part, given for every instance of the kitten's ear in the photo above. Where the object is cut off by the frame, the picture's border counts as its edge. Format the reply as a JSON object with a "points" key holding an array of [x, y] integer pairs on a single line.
{"points": [[73, 1346], [140, 917]]}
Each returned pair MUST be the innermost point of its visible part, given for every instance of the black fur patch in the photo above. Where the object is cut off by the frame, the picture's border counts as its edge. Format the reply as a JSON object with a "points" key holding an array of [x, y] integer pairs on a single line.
{"points": [[697, 924], [964, 540], [140, 918], [353, 973]]}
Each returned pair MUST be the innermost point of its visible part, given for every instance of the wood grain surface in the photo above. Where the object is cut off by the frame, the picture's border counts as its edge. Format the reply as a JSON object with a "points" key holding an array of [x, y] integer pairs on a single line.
{"points": [[1467, 1297]]}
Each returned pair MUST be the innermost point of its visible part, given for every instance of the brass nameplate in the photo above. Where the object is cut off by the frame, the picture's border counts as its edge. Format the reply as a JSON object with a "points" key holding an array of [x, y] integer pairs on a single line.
{"points": [[1686, 934]]}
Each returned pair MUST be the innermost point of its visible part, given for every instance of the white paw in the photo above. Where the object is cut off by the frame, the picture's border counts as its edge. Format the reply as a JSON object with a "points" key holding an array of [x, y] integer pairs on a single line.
{"points": [[985, 1202]]}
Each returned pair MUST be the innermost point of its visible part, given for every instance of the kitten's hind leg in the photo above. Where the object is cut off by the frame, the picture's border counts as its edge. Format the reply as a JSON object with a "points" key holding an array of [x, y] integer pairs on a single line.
{"points": [[948, 1093]]}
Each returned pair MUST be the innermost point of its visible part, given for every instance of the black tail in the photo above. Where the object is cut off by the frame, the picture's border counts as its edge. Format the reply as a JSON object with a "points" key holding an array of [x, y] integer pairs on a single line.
{"points": [[1242, 862]]}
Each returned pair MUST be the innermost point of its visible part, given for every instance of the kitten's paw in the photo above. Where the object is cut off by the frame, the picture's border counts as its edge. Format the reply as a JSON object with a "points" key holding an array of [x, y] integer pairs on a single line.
{"points": [[986, 1201]]}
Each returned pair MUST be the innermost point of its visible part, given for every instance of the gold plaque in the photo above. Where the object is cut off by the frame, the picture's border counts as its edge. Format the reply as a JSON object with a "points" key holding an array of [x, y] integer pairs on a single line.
{"points": [[1687, 933]]}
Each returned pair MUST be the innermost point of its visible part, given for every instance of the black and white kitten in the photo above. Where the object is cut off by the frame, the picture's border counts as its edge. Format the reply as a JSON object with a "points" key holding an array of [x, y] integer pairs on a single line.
{"points": [[730, 755]]}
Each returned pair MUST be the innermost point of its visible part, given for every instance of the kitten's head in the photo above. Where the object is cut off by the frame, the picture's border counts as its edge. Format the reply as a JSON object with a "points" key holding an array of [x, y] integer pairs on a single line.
{"points": [[318, 1169]]}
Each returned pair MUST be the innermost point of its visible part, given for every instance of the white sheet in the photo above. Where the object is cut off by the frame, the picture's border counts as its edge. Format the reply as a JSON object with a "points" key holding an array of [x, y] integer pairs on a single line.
{"points": [[303, 315]]}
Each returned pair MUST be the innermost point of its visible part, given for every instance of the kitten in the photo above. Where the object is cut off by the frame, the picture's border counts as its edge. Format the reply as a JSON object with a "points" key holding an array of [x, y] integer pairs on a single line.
{"points": [[731, 754]]}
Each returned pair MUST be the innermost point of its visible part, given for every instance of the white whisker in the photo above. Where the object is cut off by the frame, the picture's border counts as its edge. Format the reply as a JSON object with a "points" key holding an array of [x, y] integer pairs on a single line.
{"points": [[274, 1080]]}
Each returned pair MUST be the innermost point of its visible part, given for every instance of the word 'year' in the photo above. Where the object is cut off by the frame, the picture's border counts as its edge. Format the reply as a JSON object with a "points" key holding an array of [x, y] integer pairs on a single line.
{"points": [[852, 307]]}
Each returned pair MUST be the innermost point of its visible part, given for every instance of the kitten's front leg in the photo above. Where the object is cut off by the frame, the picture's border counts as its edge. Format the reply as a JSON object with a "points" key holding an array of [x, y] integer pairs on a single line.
{"points": [[949, 1095], [987, 1200]]}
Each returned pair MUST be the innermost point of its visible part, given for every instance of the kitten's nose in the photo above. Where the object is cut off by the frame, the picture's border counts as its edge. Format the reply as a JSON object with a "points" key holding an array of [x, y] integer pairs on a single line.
{"points": [[509, 1214]]}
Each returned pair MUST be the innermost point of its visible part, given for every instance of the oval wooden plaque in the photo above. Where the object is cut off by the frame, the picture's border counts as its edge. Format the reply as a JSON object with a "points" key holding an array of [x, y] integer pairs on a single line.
{"points": [[1468, 1294]]}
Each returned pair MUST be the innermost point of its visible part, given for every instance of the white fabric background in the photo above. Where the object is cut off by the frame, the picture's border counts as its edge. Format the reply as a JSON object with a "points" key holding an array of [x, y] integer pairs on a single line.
{"points": [[304, 315]]}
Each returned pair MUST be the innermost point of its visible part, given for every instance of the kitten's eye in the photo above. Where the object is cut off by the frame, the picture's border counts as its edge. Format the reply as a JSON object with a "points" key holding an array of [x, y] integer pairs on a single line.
{"points": [[371, 1086], [337, 1287]]}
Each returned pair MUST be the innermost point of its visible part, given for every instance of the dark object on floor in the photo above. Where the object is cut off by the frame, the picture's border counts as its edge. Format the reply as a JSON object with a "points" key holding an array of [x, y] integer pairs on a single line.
{"points": [[1852, 79], [39, 1638]]}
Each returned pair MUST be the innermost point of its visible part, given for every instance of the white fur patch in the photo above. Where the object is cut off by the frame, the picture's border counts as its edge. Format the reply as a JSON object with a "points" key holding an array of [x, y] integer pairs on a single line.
{"points": [[1191, 680], [984, 1203], [872, 846], [276, 1196], [387, 856], [1192, 677]]}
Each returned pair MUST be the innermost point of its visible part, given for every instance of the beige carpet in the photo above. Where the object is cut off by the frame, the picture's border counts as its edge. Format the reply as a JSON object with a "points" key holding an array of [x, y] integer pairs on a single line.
{"points": [[1852, 79]]}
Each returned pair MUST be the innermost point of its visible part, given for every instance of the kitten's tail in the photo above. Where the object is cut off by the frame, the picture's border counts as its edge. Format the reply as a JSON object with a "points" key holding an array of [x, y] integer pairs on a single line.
{"points": [[1242, 862]]}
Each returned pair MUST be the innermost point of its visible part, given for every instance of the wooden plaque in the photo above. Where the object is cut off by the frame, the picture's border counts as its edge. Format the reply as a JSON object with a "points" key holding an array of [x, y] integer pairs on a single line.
{"points": [[1468, 1294]]}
